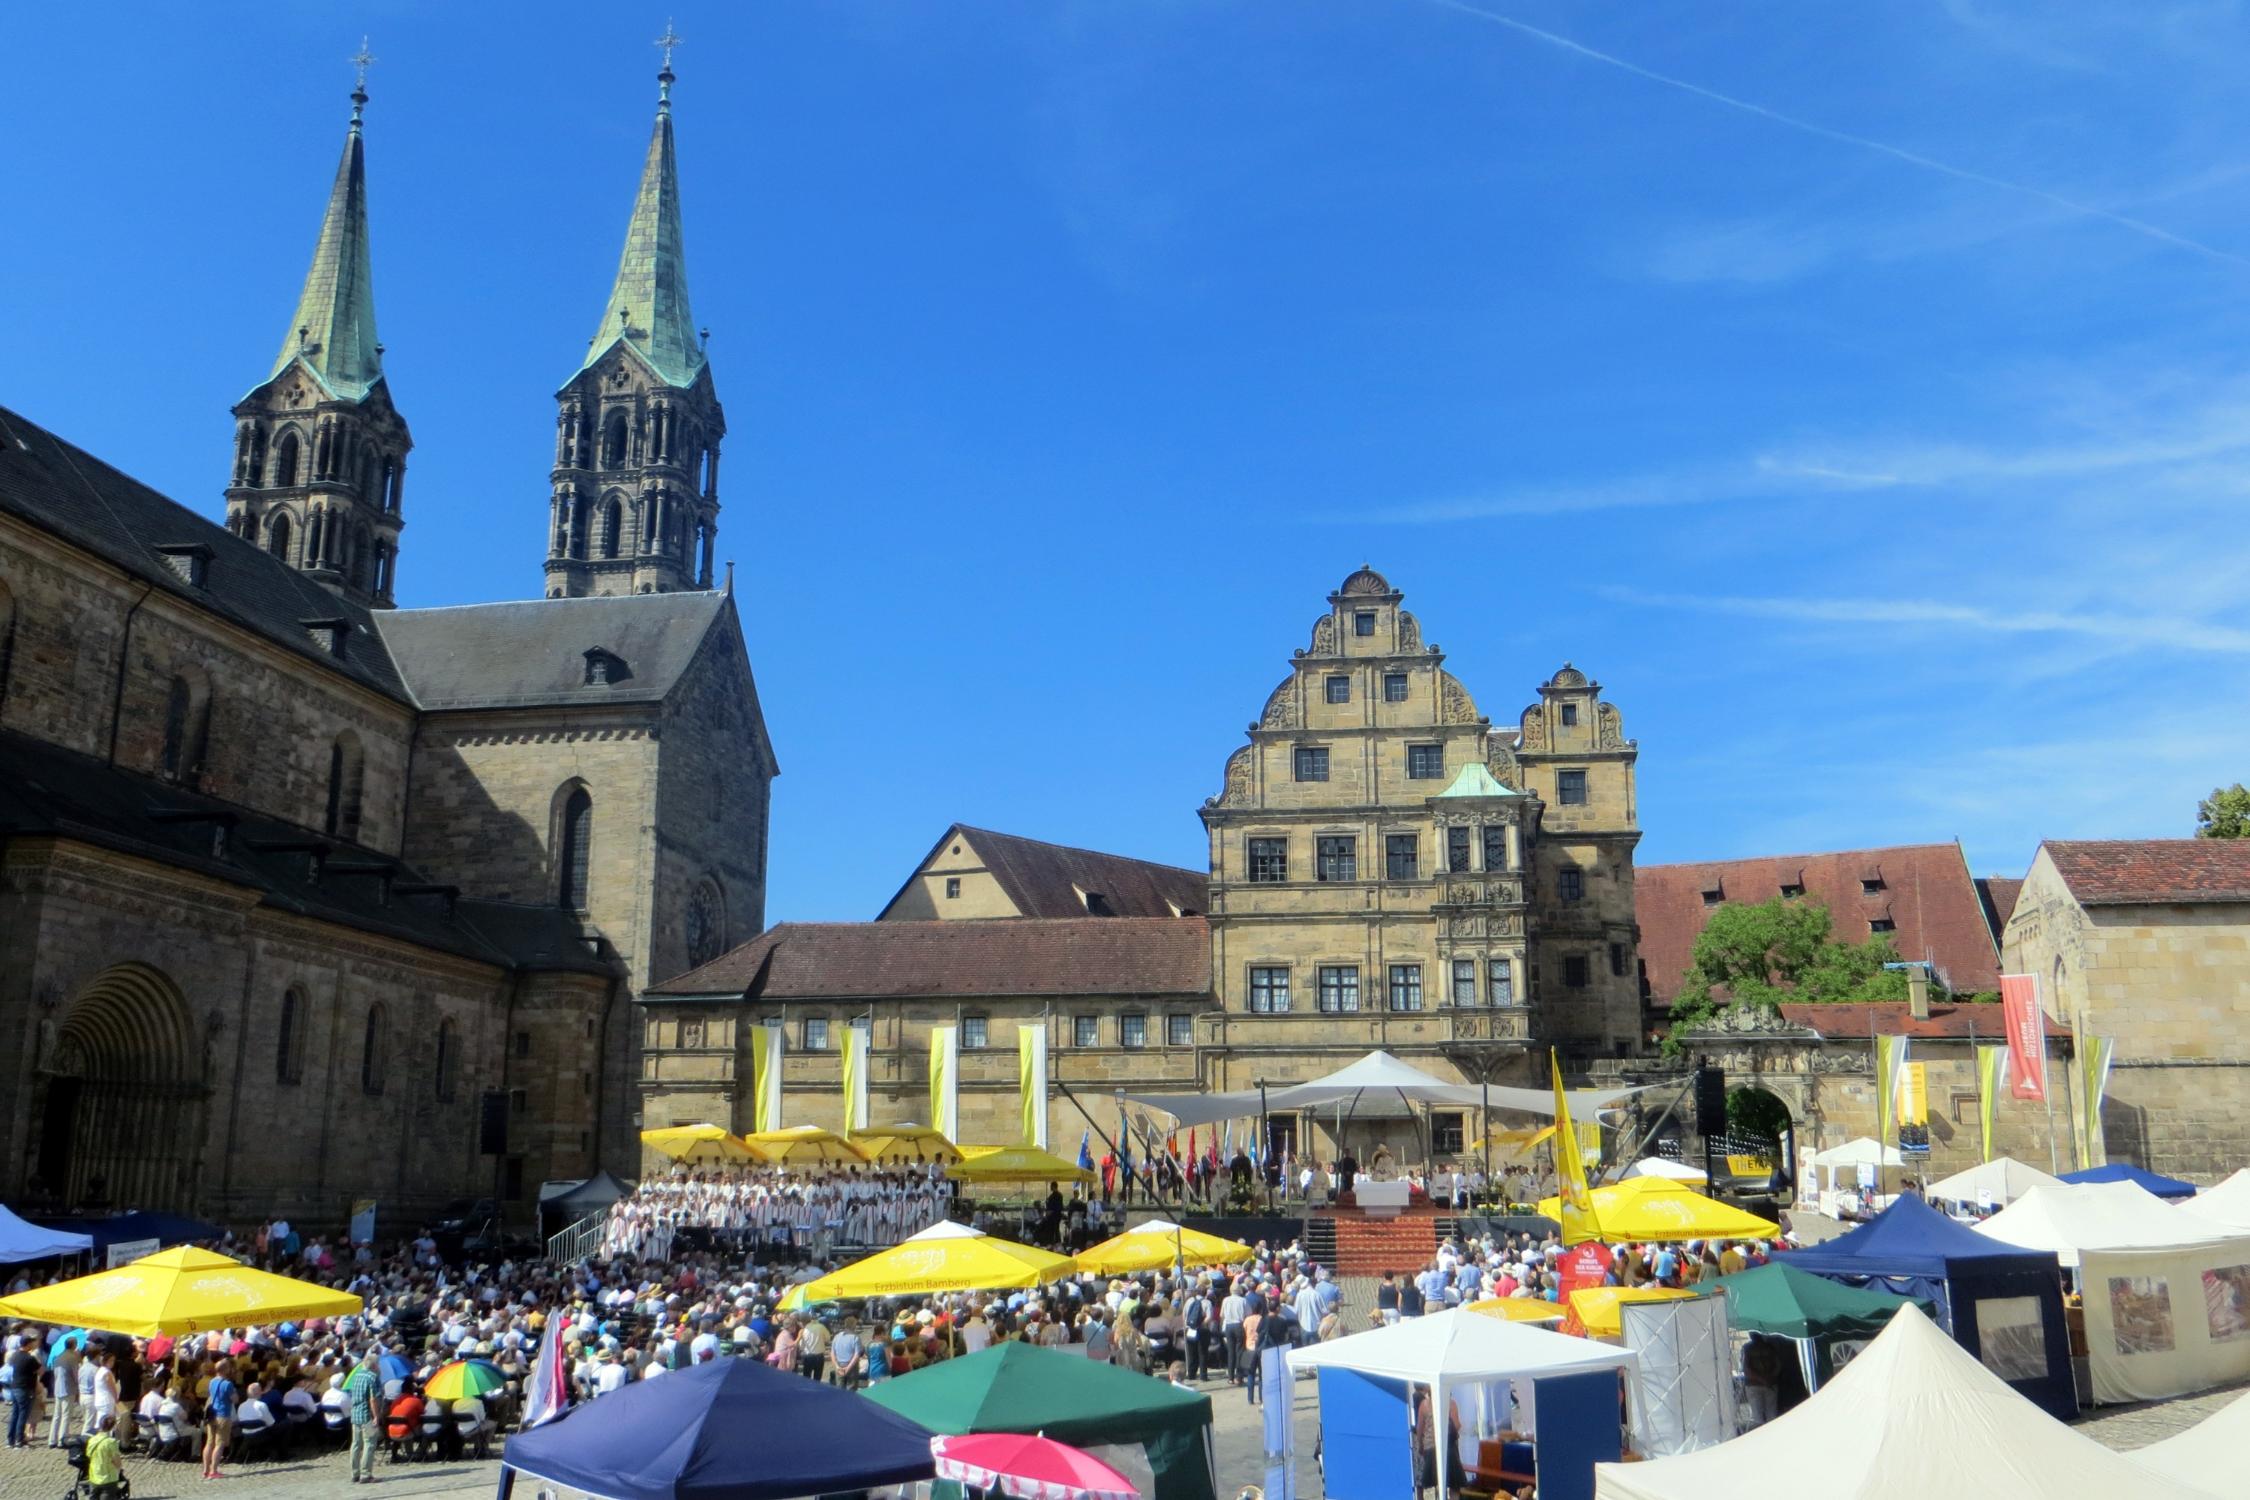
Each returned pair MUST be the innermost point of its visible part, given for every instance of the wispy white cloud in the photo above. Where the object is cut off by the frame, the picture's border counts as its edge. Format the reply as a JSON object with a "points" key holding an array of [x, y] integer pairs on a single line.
{"points": [[2071, 205], [2168, 631]]}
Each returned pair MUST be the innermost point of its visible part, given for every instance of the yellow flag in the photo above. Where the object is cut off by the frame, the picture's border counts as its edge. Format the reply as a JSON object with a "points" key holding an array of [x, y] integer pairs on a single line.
{"points": [[1992, 1071], [1579, 1223], [1890, 1059], [2094, 1060], [945, 1098], [1031, 1071]]}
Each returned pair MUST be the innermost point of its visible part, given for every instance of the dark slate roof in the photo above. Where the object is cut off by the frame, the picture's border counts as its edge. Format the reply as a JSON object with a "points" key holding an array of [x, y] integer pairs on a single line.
{"points": [[532, 652], [1043, 880], [960, 960], [1926, 892], [2143, 872], [48, 790], [1847, 1023], [68, 492], [1999, 893]]}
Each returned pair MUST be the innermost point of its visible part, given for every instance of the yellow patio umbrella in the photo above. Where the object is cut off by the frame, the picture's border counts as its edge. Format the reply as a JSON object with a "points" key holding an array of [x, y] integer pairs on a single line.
{"points": [[184, 1290], [1015, 1164], [904, 1150], [801, 1145], [1594, 1309], [1518, 1309], [946, 1257], [1159, 1245], [700, 1145], [1656, 1208]]}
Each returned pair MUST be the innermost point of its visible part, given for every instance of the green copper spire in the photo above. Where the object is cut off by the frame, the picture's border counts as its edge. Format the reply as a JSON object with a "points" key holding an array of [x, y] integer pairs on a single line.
{"points": [[334, 330], [648, 307]]}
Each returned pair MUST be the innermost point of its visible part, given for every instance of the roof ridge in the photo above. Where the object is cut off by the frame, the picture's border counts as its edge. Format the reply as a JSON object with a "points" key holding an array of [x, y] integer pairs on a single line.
{"points": [[1021, 838], [1745, 859], [683, 595]]}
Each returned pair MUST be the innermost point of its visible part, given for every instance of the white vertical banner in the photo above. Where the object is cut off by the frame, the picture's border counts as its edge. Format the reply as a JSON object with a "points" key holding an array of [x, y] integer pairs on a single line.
{"points": [[945, 1080], [1276, 1389], [777, 1047], [859, 1049], [1031, 1049]]}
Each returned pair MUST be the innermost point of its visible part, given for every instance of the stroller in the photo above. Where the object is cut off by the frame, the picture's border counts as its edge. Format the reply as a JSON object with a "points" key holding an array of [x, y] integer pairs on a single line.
{"points": [[74, 1454]]}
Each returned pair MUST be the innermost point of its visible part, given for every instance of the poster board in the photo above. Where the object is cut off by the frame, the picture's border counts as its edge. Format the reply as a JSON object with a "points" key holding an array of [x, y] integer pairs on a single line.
{"points": [[2162, 1323]]}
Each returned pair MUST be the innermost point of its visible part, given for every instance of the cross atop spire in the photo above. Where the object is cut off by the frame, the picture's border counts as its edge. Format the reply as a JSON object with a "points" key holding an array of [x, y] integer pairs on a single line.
{"points": [[648, 304], [334, 327], [668, 41]]}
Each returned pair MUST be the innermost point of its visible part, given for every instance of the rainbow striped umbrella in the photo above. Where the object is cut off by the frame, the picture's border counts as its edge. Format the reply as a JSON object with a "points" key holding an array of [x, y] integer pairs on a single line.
{"points": [[464, 1379]]}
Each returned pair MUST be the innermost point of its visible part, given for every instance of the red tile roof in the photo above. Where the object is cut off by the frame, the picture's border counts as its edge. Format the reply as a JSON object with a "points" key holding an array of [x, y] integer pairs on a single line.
{"points": [[2132, 872], [1999, 894], [960, 960], [1926, 891], [1846, 1022], [1043, 880]]}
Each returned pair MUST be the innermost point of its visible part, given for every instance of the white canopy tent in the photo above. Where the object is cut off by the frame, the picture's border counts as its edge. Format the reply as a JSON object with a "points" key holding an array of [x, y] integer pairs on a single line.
{"points": [[1670, 1171], [2227, 1205], [1460, 1347], [2208, 1455], [2072, 1218], [1914, 1414], [1377, 1078], [2000, 1181], [1859, 1152]]}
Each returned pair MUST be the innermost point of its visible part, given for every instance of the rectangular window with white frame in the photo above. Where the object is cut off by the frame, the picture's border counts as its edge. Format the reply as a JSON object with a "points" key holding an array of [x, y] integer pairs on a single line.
{"points": [[1464, 981], [1502, 978], [814, 1034], [1132, 1030], [1269, 860], [1085, 1031], [973, 1031], [1339, 989], [1269, 989], [1179, 1030], [1406, 987], [1336, 857]]}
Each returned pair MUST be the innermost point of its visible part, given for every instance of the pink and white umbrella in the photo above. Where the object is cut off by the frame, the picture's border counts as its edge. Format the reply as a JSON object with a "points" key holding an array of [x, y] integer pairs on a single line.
{"points": [[1027, 1467]]}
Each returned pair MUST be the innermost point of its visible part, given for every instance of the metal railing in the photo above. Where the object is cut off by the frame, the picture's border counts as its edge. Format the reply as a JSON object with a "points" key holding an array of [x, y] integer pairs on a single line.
{"points": [[579, 1242]]}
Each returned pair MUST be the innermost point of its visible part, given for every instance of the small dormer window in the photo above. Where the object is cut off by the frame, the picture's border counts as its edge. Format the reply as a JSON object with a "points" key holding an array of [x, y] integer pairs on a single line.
{"points": [[331, 636], [605, 667], [1363, 622], [190, 562]]}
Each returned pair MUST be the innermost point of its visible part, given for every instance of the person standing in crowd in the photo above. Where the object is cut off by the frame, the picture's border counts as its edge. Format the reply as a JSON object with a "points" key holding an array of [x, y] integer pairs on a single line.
{"points": [[62, 1390], [218, 1418], [19, 1383], [105, 1465], [363, 1394]]}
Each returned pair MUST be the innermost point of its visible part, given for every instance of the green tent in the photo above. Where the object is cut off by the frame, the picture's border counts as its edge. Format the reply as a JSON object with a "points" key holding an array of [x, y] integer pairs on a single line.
{"points": [[1780, 1299], [1072, 1399]]}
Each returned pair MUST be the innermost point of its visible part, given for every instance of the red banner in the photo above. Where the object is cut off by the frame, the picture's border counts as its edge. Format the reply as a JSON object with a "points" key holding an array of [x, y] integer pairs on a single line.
{"points": [[2027, 1035], [1584, 1265]]}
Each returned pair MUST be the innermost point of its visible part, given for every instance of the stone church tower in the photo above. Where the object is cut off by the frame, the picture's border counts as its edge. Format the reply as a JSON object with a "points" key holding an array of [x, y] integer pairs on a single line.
{"points": [[636, 477], [319, 450]]}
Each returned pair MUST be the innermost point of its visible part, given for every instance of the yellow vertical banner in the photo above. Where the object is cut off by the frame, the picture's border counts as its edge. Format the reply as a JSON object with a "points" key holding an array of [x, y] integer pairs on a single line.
{"points": [[1890, 1056], [856, 1048], [1031, 1076], [761, 1076], [1914, 1098], [1992, 1072], [945, 1051], [2093, 1087], [1579, 1223]]}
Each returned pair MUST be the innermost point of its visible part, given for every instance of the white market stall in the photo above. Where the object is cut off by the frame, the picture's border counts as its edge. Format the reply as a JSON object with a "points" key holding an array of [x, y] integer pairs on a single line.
{"points": [[2167, 1294], [1670, 1171], [2209, 1454], [1479, 1364], [1991, 1184], [1858, 1161], [1914, 1414], [2227, 1205]]}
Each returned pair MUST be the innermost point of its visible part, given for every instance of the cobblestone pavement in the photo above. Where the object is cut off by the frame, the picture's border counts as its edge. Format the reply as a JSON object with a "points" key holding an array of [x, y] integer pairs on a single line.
{"points": [[1237, 1431]]}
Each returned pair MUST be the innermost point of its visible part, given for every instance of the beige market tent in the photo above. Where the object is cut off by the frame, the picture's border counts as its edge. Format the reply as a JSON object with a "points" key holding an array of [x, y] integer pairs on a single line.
{"points": [[1915, 1414], [2000, 1182], [2227, 1205], [2073, 1218], [2209, 1455]]}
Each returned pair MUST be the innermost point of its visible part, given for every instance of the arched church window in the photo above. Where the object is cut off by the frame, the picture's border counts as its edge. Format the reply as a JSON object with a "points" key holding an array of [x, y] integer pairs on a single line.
{"points": [[574, 850], [371, 1050], [363, 556], [177, 701], [346, 773], [285, 462], [289, 1039], [277, 537], [448, 1043], [613, 440], [613, 518]]}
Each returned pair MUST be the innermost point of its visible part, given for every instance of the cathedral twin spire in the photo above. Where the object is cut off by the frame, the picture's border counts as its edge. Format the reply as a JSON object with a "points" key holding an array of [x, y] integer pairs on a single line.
{"points": [[320, 453]]}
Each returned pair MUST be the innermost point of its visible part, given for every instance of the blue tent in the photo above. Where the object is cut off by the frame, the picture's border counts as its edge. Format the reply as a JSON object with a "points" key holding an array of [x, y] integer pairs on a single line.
{"points": [[115, 1229], [2000, 1302], [24, 1241], [2117, 1171], [733, 1429]]}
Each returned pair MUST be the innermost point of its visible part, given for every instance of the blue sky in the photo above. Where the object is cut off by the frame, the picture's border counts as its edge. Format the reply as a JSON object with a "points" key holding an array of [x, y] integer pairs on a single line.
{"points": [[1859, 392]]}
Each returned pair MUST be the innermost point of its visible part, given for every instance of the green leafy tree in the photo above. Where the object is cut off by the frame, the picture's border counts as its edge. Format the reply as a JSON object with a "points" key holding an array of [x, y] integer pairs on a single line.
{"points": [[1781, 950], [2225, 814]]}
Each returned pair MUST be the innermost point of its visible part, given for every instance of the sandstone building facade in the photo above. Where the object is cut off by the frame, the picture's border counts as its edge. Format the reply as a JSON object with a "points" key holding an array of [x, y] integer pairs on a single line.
{"points": [[289, 878], [1387, 869]]}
